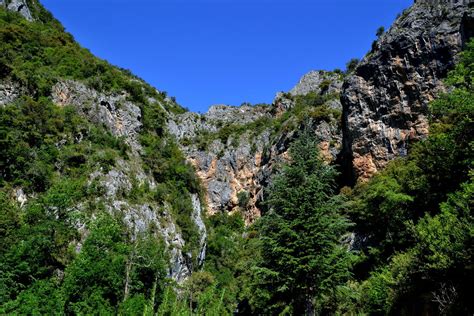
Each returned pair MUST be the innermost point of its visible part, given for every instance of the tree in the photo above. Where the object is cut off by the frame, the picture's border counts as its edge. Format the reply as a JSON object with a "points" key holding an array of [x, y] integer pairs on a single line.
{"points": [[94, 281], [352, 64], [303, 260], [380, 31]]}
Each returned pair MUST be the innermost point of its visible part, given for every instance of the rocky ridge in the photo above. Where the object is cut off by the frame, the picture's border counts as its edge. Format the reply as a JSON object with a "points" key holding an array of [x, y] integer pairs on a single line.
{"points": [[386, 99]]}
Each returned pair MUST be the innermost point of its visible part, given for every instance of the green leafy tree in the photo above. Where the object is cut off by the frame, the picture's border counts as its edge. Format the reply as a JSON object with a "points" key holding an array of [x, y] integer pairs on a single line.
{"points": [[94, 281]]}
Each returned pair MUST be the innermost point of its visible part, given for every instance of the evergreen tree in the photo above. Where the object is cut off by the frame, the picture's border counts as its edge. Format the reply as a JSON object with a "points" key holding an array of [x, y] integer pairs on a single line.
{"points": [[303, 260]]}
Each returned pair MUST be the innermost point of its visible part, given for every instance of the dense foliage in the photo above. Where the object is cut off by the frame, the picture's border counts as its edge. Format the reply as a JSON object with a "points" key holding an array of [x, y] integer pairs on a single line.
{"points": [[303, 260], [62, 251], [401, 243]]}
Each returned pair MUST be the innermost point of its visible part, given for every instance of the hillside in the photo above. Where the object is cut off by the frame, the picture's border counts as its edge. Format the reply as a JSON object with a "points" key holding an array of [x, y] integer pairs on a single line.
{"points": [[350, 194]]}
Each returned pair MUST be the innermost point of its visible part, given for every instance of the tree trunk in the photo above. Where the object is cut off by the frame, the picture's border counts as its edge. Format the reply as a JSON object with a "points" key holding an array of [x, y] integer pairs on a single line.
{"points": [[309, 306], [126, 290], [128, 269], [153, 294]]}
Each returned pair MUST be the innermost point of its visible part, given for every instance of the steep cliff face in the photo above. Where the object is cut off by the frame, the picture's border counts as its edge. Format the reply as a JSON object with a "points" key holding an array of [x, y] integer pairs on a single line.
{"points": [[235, 149], [123, 119], [386, 99], [385, 108]]}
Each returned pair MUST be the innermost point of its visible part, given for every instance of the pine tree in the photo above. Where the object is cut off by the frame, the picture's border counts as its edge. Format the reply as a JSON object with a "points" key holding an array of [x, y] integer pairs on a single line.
{"points": [[303, 259]]}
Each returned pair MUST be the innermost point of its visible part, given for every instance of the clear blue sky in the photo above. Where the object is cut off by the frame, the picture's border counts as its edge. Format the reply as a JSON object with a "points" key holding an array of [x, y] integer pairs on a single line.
{"points": [[206, 52]]}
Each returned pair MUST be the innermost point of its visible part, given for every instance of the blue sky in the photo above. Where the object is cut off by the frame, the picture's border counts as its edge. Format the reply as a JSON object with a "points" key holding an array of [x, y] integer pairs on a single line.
{"points": [[207, 52]]}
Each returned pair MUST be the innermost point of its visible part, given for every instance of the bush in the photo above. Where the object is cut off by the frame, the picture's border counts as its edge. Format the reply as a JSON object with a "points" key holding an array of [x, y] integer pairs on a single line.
{"points": [[352, 64]]}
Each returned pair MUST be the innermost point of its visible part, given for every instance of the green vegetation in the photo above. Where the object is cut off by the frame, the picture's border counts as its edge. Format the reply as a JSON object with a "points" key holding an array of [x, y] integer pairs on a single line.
{"points": [[39, 143], [244, 198], [380, 31], [49, 153], [401, 243], [303, 261], [352, 64]]}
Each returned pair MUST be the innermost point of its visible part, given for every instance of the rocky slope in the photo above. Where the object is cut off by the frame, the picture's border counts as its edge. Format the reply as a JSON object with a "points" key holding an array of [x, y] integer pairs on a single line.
{"points": [[235, 149], [386, 99], [122, 117]]}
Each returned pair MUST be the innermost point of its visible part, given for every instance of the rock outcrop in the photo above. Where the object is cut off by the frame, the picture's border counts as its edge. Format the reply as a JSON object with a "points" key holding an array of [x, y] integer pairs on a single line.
{"points": [[238, 160], [123, 119], [319, 82], [120, 116], [10, 91], [226, 167], [19, 6], [386, 99]]}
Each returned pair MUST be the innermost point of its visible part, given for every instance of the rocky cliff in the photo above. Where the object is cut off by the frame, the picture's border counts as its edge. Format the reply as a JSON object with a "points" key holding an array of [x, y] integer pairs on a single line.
{"points": [[386, 99], [385, 108], [235, 149], [123, 119]]}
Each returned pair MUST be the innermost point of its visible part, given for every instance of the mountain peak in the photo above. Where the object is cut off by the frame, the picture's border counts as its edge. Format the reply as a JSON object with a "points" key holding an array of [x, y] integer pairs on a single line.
{"points": [[318, 81]]}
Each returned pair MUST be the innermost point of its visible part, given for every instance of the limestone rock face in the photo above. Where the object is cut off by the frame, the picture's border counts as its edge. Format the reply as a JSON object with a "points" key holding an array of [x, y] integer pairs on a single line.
{"points": [[19, 6], [235, 169], [385, 101], [123, 119], [318, 81], [120, 116], [10, 91], [225, 167]]}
